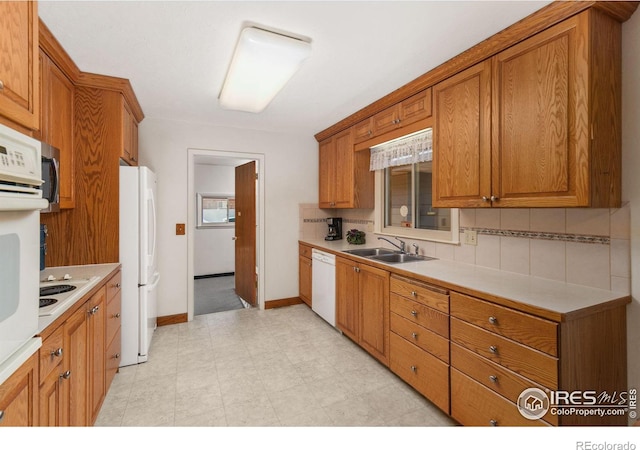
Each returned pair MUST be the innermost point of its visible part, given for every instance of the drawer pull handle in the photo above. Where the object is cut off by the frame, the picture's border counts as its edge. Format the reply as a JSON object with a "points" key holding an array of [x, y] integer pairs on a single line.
{"points": [[414, 369], [56, 352], [493, 349], [493, 320], [493, 423], [414, 293], [493, 378], [415, 335], [414, 313], [65, 375]]}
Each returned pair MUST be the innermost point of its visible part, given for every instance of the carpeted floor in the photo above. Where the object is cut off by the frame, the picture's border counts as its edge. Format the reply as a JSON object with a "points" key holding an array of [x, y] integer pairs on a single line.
{"points": [[215, 294]]}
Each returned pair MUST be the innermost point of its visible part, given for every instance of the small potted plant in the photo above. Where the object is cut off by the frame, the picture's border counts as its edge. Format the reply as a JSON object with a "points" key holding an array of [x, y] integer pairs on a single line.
{"points": [[355, 237]]}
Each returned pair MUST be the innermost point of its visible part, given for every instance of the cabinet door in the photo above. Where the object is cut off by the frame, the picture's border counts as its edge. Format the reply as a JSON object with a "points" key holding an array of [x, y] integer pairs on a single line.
{"points": [[347, 302], [344, 177], [58, 120], [53, 395], [386, 120], [540, 119], [19, 71], [416, 107], [327, 173], [126, 132], [363, 130], [304, 278], [462, 139], [96, 307], [75, 329], [18, 396], [373, 286]]}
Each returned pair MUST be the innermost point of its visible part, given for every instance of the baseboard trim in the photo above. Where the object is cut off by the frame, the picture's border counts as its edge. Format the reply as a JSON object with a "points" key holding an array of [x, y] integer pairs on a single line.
{"points": [[171, 320], [269, 304], [214, 275]]}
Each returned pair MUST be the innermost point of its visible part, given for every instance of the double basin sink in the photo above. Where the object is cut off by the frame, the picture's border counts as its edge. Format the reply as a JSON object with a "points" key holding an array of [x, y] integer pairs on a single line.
{"points": [[387, 256]]}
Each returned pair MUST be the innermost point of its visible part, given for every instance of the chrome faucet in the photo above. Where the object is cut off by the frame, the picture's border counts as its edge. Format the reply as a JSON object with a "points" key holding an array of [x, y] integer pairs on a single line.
{"points": [[400, 247]]}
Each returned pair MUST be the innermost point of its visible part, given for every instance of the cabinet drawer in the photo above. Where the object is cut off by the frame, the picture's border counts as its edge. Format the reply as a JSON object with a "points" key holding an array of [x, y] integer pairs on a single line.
{"points": [[304, 250], [113, 358], [424, 293], [532, 331], [525, 361], [420, 314], [421, 337], [51, 353], [114, 285], [426, 373], [114, 311], [493, 376], [472, 404]]}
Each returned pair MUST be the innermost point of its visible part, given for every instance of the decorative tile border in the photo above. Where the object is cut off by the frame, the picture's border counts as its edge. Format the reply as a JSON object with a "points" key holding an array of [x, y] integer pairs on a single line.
{"points": [[605, 240], [352, 221]]}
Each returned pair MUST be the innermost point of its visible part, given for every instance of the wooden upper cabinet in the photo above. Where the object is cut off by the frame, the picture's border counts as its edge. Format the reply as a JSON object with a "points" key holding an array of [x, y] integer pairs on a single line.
{"points": [[19, 78], [56, 123], [406, 112], [462, 139], [344, 176], [551, 133]]}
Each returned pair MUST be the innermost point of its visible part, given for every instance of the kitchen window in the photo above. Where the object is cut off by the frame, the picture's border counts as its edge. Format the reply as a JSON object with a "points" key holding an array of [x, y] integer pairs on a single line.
{"points": [[404, 200]]}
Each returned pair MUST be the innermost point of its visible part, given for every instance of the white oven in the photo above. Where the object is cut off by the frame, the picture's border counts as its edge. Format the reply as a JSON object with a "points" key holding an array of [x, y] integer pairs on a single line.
{"points": [[20, 204]]}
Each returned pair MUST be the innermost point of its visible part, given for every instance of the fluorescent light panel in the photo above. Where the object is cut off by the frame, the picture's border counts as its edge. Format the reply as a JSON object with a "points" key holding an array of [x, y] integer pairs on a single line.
{"points": [[262, 64]]}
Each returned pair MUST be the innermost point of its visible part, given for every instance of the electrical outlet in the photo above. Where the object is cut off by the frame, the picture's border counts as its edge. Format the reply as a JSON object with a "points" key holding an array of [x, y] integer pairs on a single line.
{"points": [[471, 237]]}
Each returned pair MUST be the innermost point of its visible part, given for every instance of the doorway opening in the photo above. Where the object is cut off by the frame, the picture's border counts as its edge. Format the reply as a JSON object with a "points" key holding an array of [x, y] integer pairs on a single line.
{"points": [[225, 231]]}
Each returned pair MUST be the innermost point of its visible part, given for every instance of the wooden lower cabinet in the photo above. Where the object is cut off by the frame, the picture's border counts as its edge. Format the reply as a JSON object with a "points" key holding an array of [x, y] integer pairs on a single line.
{"points": [[18, 396], [362, 306], [305, 270], [96, 324], [77, 348]]}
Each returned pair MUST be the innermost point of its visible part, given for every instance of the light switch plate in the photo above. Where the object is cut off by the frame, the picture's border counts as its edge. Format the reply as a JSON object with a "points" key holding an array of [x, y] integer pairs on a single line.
{"points": [[471, 237], [179, 229]]}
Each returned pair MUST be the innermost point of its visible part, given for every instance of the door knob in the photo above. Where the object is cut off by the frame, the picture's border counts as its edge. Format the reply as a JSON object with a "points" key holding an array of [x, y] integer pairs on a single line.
{"points": [[235, 238]]}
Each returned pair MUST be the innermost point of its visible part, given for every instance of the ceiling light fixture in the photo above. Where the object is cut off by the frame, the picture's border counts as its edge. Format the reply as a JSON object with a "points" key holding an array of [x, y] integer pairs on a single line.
{"points": [[262, 64]]}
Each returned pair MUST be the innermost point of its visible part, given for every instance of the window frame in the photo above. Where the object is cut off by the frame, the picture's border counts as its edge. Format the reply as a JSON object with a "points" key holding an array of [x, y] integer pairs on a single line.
{"points": [[449, 237], [200, 197]]}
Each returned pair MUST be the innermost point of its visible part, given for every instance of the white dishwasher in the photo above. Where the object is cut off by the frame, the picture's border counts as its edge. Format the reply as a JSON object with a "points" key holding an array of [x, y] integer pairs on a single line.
{"points": [[323, 285]]}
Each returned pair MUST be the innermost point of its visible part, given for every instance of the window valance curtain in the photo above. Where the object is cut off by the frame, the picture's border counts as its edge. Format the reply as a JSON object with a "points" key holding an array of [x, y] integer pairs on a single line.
{"points": [[410, 149]]}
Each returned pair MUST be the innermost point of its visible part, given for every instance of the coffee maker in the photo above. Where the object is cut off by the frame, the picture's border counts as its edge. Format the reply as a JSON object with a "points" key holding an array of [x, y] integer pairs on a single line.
{"points": [[335, 229]]}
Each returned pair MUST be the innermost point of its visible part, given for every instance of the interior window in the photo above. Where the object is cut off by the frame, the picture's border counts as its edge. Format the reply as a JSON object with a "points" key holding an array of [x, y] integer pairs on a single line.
{"points": [[216, 210]]}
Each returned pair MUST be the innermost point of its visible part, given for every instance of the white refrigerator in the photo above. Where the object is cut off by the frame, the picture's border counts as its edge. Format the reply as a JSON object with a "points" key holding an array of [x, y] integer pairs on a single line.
{"points": [[140, 275]]}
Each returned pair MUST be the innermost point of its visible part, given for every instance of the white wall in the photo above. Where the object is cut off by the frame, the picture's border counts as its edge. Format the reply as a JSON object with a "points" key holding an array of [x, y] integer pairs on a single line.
{"points": [[214, 249], [630, 179], [291, 177]]}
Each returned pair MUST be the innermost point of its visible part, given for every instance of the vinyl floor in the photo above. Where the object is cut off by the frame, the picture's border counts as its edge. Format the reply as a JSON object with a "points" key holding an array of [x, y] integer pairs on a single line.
{"points": [[215, 294], [282, 367]]}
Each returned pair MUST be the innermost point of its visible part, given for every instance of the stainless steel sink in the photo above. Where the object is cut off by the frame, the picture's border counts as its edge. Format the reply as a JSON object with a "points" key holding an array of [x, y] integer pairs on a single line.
{"points": [[367, 252], [398, 258]]}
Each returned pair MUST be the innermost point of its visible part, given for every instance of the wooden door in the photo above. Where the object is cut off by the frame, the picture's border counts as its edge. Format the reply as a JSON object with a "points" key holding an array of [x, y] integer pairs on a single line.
{"points": [[305, 279], [52, 397], [373, 286], [19, 70], [245, 235], [540, 110], [344, 174], [327, 173], [347, 304], [97, 363], [462, 139], [18, 396]]}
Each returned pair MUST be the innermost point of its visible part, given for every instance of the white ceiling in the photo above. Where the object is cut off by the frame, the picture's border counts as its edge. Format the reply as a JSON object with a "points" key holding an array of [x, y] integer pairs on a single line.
{"points": [[176, 53]]}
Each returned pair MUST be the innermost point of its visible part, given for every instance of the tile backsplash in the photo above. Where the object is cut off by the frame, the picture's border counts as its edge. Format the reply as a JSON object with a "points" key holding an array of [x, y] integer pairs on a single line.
{"points": [[589, 247]]}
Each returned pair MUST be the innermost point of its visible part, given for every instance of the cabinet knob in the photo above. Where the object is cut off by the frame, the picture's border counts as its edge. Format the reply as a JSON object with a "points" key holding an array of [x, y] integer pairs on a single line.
{"points": [[415, 335], [356, 269], [414, 312], [117, 285], [493, 320], [56, 352], [1, 85], [414, 369], [494, 198], [485, 198], [1, 411], [493, 349], [94, 310], [493, 423], [116, 316], [493, 378], [116, 356], [414, 293], [369, 132], [66, 375]]}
